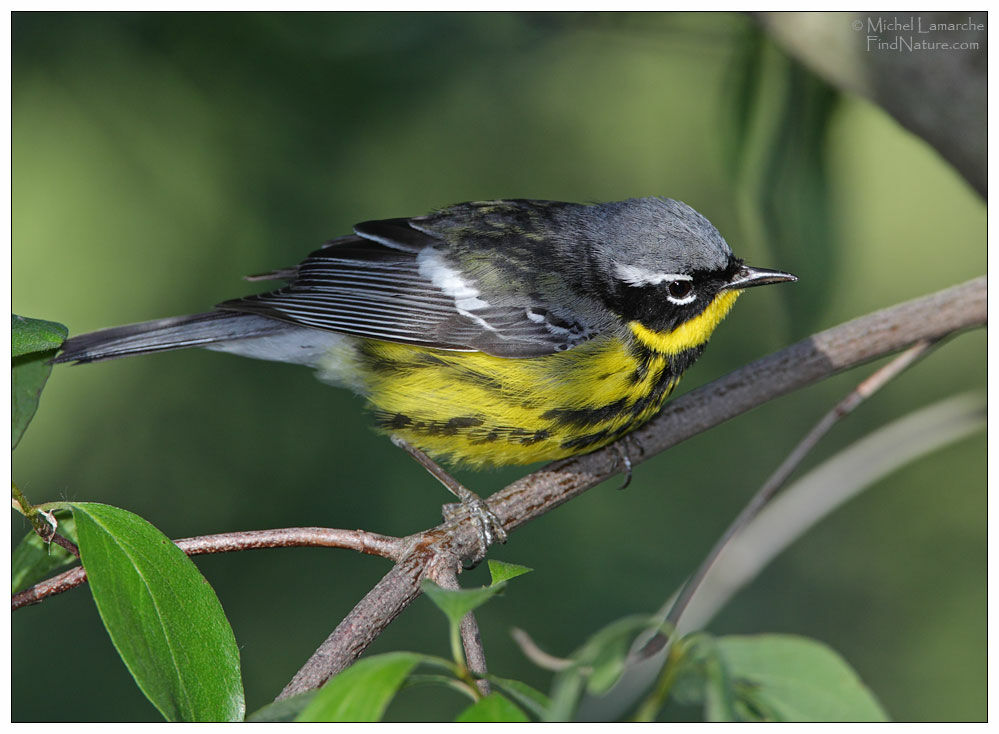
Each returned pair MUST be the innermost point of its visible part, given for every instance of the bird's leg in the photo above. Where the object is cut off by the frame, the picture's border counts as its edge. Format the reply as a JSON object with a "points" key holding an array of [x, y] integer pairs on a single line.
{"points": [[623, 448], [490, 527]]}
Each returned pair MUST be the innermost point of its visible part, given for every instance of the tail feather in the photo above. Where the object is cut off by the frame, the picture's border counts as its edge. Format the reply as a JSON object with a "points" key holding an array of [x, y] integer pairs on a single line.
{"points": [[179, 332]]}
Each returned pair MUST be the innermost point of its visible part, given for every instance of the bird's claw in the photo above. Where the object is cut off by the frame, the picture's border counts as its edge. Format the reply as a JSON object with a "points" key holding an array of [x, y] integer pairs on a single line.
{"points": [[622, 447], [490, 528]]}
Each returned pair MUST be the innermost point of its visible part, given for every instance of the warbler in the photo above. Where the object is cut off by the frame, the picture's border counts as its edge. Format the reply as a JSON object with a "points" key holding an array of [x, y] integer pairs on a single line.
{"points": [[489, 332]]}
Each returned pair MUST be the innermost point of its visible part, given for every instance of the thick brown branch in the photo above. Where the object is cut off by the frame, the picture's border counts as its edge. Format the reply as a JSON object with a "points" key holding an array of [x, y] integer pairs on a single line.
{"points": [[837, 349], [389, 597]]}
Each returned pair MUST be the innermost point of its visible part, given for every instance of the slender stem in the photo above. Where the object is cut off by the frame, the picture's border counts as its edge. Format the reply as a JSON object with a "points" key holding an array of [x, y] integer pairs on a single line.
{"points": [[650, 707], [49, 587], [42, 522], [390, 596], [454, 637], [364, 542], [20, 502], [475, 652], [466, 642], [535, 654], [456, 684], [373, 544], [819, 356], [777, 480], [66, 543]]}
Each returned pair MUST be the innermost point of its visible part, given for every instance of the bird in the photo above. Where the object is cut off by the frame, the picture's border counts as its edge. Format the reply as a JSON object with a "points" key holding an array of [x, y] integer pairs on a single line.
{"points": [[487, 333]]}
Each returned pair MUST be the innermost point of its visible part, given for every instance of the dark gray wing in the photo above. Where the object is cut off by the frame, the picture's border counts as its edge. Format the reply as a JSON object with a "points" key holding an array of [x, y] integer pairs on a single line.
{"points": [[394, 283]]}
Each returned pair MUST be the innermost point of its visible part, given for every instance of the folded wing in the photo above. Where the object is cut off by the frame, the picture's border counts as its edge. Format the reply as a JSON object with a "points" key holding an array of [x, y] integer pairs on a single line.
{"points": [[392, 282]]}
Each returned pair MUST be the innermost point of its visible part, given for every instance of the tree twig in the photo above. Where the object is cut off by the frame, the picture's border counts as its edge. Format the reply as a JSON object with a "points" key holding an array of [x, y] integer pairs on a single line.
{"points": [[827, 487], [471, 640], [49, 587], [785, 519], [389, 597], [533, 652], [66, 543], [779, 478], [359, 540]]}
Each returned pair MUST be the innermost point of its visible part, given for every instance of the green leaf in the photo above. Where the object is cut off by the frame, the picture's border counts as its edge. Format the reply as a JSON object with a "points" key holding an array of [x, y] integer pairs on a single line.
{"points": [[163, 617], [27, 379], [720, 703], [282, 711], [500, 571], [494, 707], [530, 698], [742, 96], [459, 602], [33, 344], [33, 559], [598, 664], [790, 678], [605, 652], [566, 692], [34, 335], [362, 691]]}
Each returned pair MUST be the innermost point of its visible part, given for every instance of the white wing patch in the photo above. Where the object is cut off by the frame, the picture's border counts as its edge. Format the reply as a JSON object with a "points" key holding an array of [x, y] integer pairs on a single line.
{"points": [[433, 267]]}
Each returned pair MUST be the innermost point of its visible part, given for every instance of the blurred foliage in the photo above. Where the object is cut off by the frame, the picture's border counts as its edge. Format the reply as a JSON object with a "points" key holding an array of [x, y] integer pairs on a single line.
{"points": [[33, 345], [159, 157], [784, 112]]}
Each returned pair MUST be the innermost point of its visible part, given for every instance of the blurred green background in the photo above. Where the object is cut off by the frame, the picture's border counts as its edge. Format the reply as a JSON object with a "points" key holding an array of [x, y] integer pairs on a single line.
{"points": [[160, 157]]}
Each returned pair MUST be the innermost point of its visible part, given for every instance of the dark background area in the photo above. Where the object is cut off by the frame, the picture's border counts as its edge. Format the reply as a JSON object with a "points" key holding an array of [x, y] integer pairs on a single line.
{"points": [[160, 157]]}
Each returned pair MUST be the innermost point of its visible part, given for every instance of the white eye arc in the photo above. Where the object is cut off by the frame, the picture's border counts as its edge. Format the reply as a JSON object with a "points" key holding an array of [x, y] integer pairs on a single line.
{"points": [[681, 292]]}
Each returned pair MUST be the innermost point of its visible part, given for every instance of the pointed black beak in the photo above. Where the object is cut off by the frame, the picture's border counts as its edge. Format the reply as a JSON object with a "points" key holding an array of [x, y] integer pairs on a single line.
{"points": [[747, 277]]}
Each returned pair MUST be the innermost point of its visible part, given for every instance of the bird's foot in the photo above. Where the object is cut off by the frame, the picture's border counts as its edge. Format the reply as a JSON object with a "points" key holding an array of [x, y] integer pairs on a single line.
{"points": [[490, 527]]}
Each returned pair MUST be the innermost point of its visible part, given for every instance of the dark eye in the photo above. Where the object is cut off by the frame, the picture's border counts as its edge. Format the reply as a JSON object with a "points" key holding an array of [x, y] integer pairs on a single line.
{"points": [[680, 289]]}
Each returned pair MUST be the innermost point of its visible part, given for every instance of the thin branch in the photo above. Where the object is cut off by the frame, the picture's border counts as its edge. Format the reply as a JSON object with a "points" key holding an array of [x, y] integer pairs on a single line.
{"points": [[779, 478], [787, 518], [66, 543], [44, 523], [822, 355], [471, 640], [359, 540], [49, 587], [819, 356], [827, 487], [389, 597], [533, 652]]}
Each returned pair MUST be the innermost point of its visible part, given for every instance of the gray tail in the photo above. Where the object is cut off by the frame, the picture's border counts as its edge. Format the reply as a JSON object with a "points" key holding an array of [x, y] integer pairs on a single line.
{"points": [[162, 335]]}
